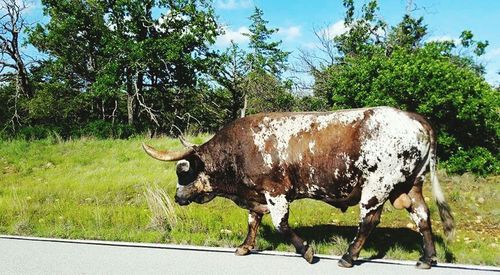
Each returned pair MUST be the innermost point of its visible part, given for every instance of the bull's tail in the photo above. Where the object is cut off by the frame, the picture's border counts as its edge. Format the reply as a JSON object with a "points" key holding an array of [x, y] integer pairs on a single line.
{"points": [[444, 208]]}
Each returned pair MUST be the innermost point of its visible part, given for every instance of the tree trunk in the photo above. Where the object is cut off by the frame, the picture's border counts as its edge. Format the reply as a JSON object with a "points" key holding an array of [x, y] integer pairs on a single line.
{"points": [[244, 109], [130, 108], [23, 79], [22, 76], [138, 92], [236, 104], [130, 98]]}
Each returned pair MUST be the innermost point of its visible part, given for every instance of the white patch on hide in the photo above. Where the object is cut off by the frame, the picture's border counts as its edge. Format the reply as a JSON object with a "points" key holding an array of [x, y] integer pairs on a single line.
{"points": [[391, 133], [203, 183], [311, 146], [278, 208], [347, 161], [251, 219], [336, 173], [418, 215], [312, 189], [343, 117], [283, 129], [312, 172]]}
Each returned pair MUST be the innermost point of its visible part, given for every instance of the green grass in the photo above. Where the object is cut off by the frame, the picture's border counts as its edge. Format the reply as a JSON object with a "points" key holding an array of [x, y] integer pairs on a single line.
{"points": [[96, 189]]}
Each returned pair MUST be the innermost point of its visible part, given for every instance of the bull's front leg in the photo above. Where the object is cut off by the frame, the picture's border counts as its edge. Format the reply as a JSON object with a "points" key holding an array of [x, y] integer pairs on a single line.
{"points": [[278, 208], [254, 219]]}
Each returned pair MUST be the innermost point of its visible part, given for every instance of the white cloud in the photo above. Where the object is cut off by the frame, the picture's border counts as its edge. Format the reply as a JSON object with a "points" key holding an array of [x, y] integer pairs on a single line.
{"points": [[492, 54], [234, 4], [30, 6], [25, 7], [232, 35], [291, 32], [310, 45], [491, 59], [334, 29]]}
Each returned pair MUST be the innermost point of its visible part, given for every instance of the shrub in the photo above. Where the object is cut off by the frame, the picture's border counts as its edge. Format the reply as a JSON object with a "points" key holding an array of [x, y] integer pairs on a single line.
{"points": [[477, 160], [104, 129], [36, 132]]}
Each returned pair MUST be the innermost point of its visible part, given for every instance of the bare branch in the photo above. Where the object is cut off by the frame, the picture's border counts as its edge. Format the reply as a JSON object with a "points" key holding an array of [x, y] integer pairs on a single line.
{"points": [[140, 100]]}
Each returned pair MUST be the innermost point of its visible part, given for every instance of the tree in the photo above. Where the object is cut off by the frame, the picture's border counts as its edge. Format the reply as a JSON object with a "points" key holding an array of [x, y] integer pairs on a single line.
{"points": [[231, 73], [254, 77], [361, 32], [266, 56], [145, 54], [267, 62], [407, 34], [74, 42], [12, 65]]}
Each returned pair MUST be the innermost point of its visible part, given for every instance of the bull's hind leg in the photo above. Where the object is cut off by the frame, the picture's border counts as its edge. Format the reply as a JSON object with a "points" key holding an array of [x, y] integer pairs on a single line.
{"points": [[278, 208], [419, 213], [368, 222], [254, 219]]}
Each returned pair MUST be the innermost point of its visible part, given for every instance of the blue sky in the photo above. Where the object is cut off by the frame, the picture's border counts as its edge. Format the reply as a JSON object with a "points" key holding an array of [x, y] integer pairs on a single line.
{"points": [[297, 19]]}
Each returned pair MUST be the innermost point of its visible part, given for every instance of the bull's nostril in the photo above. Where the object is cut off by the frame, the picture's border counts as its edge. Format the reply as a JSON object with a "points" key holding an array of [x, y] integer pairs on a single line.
{"points": [[181, 201]]}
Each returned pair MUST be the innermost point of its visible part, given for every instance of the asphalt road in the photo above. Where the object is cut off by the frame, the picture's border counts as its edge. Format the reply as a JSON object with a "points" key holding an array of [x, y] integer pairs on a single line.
{"points": [[20, 255]]}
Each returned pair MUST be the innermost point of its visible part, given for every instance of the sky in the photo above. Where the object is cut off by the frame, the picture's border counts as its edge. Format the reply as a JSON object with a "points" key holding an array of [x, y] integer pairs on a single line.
{"points": [[297, 20]]}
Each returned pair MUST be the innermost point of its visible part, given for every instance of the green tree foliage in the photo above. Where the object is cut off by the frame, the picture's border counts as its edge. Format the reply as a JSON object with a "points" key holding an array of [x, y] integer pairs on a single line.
{"points": [[253, 78], [130, 61], [361, 32], [266, 89], [432, 79], [265, 56], [230, 71]]}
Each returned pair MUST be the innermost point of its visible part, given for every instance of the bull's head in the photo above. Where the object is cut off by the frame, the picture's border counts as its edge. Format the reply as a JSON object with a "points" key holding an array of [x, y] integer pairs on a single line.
{"points": [[192, 181]]}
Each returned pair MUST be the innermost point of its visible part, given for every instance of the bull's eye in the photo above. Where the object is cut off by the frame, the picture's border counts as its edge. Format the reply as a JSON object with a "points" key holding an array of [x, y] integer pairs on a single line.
{"points": [[185, 178]]}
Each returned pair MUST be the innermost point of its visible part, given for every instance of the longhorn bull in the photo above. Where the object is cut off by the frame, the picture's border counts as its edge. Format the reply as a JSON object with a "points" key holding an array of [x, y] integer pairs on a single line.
{"points": [[362, 156]]}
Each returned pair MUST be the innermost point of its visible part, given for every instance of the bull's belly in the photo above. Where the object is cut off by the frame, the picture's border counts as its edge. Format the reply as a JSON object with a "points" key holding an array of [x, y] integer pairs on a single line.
{"points": [[338, 194]]}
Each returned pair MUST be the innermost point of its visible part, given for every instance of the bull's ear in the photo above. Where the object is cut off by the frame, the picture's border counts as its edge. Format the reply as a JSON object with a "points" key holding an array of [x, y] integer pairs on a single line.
{"points": [[182, 166], [166, 155]]}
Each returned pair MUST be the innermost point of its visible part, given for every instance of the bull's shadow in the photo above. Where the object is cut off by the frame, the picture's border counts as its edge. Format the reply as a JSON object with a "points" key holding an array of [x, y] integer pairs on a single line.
{"points": [[381, 240]]}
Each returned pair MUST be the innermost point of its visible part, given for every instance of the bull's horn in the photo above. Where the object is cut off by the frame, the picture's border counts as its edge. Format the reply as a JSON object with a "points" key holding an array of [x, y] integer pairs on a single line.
{"points": [[186, 143], [165, 155]]}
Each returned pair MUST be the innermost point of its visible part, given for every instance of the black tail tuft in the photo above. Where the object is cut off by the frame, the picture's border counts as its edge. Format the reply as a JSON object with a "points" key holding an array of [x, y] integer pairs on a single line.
{"points": [[447, 219]]}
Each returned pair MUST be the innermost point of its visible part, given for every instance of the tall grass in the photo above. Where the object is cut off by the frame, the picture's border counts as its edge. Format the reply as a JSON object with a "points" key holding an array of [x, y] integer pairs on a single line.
{"points": [[163, 215], [110, 189]]}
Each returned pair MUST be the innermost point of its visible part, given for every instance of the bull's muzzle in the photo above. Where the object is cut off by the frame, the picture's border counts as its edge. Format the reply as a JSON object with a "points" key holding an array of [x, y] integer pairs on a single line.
{"points": [[181, 202]]}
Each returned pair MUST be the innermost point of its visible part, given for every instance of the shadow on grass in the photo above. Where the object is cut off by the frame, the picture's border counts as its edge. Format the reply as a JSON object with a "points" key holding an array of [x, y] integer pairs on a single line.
{"points": [[381, 240]]}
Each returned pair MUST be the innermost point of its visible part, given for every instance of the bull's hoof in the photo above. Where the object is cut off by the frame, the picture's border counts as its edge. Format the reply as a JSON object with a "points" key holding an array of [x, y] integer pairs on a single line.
{"points": [[426, 263], [423, 265], [346, 261], [243, 250], [309, 254]]}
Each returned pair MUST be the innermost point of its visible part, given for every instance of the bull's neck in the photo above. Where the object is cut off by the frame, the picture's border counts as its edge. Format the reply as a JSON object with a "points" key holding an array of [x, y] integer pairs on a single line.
{"points": [[223, 178]]}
